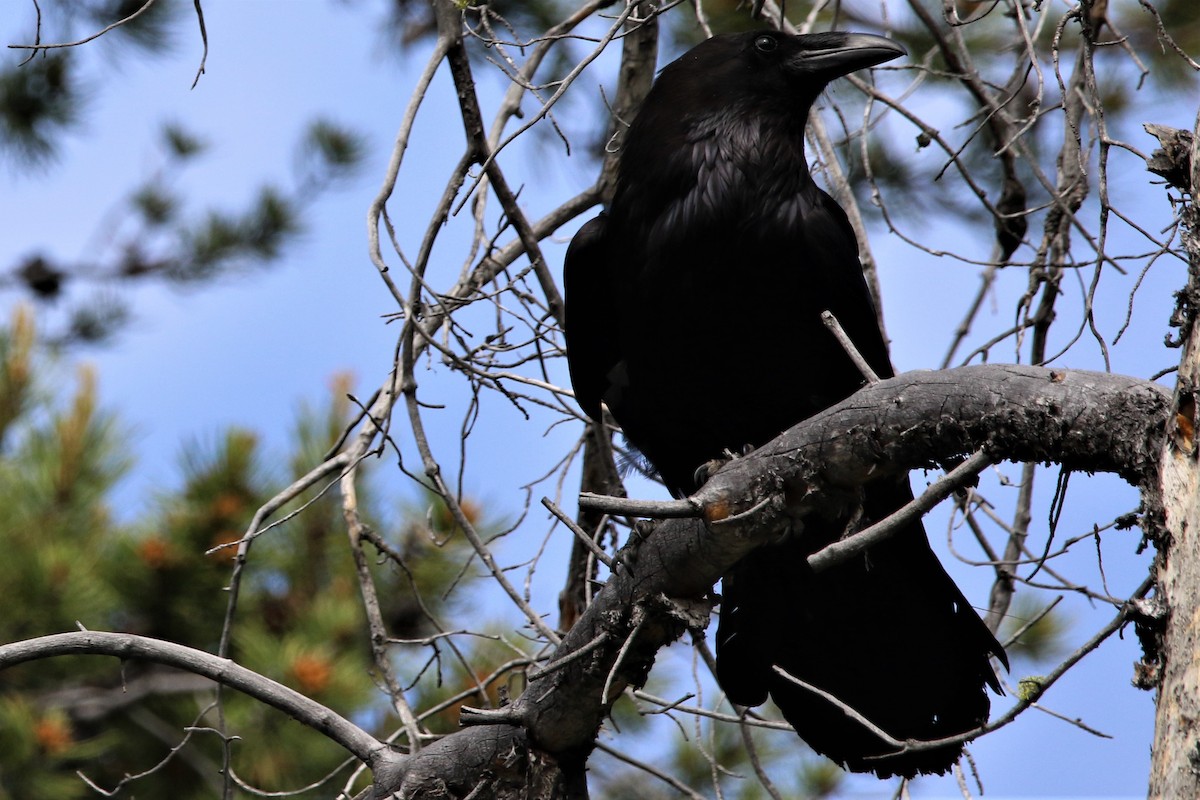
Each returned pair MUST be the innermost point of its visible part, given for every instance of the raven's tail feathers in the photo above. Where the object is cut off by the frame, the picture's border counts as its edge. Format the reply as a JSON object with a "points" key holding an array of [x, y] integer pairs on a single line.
{"points": [[889, 635]]}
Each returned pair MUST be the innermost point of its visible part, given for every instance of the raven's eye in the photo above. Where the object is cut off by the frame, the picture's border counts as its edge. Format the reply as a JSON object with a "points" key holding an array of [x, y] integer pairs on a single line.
{"points": [[765, 43]]}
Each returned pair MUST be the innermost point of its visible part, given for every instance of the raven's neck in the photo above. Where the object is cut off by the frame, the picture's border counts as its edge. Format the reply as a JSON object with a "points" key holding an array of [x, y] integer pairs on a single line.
{"points": [[765, 151], [750, 171], [735, 169]]}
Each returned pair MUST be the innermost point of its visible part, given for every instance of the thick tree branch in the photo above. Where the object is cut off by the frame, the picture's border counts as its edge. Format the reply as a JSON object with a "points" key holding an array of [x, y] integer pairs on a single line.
{"points": [[1086, 421], [1089, 421], [660, 584], [1170, 630]]}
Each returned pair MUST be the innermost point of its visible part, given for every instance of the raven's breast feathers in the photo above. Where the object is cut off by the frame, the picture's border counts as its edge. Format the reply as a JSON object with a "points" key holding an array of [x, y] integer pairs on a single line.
{"points": [[733, 168]]}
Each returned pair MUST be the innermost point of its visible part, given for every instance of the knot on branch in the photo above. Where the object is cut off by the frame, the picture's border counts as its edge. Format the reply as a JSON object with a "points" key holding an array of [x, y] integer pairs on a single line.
{"points": [[1149, 616], [495, 761], [1173, 159]]}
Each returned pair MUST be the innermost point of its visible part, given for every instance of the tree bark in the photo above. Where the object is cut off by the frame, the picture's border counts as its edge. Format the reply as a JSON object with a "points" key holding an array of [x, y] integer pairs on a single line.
{"points": [[1092, 422], [1172, 628], [537, 747]]}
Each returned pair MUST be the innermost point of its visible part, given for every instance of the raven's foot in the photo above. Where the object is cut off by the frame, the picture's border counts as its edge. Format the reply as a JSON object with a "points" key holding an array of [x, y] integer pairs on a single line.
{"points": [[710, 467]]}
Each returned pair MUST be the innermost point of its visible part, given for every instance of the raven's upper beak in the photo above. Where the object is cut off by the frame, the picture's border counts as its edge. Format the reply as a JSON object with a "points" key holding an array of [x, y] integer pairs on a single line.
{"points": [[835, 54]]}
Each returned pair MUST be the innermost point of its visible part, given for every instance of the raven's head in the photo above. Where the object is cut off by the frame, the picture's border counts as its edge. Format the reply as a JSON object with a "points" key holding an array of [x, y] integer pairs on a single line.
{"points": [[720, 137], [822, 56], [775, 64]]}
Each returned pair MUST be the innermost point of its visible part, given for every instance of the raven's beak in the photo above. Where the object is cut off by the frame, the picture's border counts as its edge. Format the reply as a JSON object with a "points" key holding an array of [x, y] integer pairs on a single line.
{"points": [[838, 54]]}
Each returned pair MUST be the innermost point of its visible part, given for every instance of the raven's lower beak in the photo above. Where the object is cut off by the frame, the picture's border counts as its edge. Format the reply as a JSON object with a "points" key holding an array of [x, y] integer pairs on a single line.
{"points": [[832, 55]]}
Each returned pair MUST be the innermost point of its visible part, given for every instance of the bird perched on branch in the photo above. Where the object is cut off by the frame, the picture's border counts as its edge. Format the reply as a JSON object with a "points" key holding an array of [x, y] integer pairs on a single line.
{"points": [[694, 313]]}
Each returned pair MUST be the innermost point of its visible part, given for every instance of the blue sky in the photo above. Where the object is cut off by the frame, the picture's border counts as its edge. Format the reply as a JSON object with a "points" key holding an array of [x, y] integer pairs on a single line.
{"points": [[248, 351]]}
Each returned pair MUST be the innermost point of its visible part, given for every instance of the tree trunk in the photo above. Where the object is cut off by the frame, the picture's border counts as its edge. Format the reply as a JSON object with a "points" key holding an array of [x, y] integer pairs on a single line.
{"points": [[1175, 764]]}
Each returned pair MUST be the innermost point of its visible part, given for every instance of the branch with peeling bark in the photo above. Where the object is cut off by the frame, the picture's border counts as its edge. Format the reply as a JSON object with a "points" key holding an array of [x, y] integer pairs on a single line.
{"points": [[661, 584], [1094, 421], [1170, 632]]}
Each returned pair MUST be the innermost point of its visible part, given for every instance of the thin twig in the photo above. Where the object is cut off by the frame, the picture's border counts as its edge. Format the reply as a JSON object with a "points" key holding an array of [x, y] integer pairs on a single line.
{"points": [[651, 509], [580, 534], [839, 333], [86, 39], [939, 490]]}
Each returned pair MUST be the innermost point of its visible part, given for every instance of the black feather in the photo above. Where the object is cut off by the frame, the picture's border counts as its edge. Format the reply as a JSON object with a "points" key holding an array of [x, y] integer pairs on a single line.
{"points": [[693, 313]]}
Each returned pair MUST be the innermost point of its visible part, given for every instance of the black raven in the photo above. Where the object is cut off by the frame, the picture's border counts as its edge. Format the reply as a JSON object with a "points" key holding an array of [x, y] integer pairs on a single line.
{"points": [[693, 313]]}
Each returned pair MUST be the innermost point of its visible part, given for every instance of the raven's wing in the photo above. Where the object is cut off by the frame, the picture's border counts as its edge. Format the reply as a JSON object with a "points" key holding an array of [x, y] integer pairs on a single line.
{"points": [[829, 240], [593, 351]]}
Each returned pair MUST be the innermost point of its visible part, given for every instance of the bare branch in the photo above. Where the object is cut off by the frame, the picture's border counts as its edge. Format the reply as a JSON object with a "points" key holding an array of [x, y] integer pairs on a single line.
{"points": [[835, 327], [111, 27], [131, 647]]}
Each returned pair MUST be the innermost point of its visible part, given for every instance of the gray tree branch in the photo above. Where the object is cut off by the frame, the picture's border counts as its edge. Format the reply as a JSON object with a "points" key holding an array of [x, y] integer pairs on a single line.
{"points": [[661, 585], [1173, 628]]}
